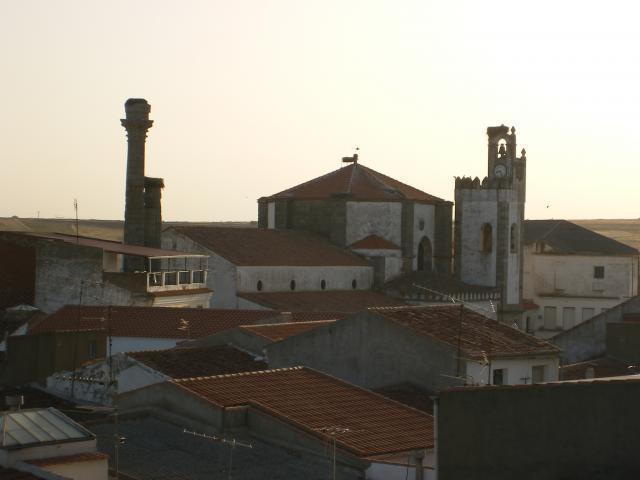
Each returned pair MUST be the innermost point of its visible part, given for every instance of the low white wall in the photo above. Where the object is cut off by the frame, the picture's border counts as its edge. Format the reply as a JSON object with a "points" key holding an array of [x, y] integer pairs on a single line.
{"points": [[278, 279], [518, 370]]}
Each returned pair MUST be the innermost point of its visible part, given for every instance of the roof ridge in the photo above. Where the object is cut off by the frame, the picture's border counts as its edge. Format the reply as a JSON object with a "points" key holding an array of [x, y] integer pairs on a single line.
{"points": [[278, 324], [241, 374], [309, 181]]}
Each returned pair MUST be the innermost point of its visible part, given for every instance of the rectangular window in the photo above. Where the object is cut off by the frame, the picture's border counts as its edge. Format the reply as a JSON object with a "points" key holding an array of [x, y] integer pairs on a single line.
{"points": [[587, 313], [568, 317], [538, 373], [500, 376], [550, 322], [92, 349], [598, 272]]}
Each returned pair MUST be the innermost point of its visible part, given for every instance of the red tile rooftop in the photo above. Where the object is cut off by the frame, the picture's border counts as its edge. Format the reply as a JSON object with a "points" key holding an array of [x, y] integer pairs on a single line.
{"points": [[199, 362], [374, 242], [263, 247], [149, 322], [164, 322], [313, 401], [109, 246], [279, 331], [600, 368], [477, 336], [357, 182], [349, 301]]}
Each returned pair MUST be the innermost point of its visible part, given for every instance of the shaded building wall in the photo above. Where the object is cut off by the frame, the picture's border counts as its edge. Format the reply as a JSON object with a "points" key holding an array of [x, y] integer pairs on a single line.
{"points": [[557, 431], [587, 340], [32, 358], [623, 341], [17, 274], [371, 352]]}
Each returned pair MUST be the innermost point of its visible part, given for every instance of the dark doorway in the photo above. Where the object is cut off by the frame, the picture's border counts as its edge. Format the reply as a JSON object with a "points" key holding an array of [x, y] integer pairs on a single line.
{"points": [[425, 255]]}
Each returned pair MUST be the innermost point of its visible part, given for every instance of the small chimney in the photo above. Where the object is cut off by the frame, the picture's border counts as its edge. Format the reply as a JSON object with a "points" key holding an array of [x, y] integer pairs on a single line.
{"points": [[14, 402], [153, 211]]}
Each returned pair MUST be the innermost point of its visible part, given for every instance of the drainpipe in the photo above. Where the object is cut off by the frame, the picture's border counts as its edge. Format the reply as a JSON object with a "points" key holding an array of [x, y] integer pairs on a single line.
{"points": [[436, 401]]}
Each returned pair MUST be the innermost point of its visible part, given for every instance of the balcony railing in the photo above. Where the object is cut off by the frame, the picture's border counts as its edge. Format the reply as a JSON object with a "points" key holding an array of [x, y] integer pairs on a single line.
{"points": [[167, 280]]}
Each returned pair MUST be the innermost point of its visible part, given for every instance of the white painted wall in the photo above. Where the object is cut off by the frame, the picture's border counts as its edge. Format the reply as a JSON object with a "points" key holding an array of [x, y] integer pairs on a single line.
{"points": [[393, 260], [374, 218], [278, 279], [427, 215], [567, 281], [91, 470], [129, 373], [518, 369], [221, 276]]}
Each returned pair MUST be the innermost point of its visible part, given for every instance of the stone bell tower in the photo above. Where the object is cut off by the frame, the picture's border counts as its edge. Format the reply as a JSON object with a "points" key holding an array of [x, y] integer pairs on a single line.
{"points": [[489, 219], [142, 213]]}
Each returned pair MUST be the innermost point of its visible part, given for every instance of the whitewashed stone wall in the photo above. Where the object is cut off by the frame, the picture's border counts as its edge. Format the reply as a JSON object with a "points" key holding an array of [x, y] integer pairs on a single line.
{"points": [[374, 218], [278, 279]]}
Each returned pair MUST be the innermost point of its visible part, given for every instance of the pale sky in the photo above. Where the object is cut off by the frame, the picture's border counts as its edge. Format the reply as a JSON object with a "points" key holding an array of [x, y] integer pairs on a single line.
{"points": [[252, 97]]}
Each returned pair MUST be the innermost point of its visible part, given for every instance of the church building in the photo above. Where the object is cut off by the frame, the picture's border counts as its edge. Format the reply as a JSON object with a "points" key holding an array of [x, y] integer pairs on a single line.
{"points": [[489, 218], [398, 228]]}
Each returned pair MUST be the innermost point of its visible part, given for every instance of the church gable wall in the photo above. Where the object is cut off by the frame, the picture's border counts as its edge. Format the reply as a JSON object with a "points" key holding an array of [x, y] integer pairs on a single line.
{"points": [[324, 217], [374, 218]]}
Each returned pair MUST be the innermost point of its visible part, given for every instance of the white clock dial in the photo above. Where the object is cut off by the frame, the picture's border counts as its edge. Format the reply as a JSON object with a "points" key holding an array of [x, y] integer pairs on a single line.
{"points": [[500, 170]]}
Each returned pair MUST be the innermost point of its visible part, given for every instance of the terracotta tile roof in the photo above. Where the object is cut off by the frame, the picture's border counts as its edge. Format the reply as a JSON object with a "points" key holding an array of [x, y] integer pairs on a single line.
{"points": [[332, 300], [602, 367], [477, 336], [77, 458], [566, 237], [357, 182], [374, 242], [199, 362], [313, 401], [266, 247], [279, 331], [108, 246], [149, 322], [13, 474]]}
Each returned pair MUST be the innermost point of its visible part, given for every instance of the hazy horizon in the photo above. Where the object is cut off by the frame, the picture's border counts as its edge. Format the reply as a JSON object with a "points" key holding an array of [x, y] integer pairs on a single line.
{"points": [[249, 98]]}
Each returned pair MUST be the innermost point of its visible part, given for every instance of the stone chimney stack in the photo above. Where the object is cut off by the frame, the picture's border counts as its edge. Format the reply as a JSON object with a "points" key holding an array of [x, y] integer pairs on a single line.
{"points": [[136, 123]]}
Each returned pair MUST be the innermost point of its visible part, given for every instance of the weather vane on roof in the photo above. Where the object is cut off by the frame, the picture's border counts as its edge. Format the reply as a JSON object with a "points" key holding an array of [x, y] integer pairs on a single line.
{"points": [[353, 159]]}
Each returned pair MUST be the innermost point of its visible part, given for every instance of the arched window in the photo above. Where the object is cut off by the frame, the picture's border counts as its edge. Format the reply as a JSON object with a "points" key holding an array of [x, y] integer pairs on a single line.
{"points": [[486, 233], [513, 238], [425, 255], [292, 284], [354, 284], [323, 284], [259, 285]]}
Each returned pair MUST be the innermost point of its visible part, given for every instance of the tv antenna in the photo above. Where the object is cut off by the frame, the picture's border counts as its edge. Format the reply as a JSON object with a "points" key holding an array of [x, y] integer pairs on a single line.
{"points": [[232, 442]]}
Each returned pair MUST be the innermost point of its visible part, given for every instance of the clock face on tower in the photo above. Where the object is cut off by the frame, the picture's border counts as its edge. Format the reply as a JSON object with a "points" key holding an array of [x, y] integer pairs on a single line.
{"points": [[500, 170]]}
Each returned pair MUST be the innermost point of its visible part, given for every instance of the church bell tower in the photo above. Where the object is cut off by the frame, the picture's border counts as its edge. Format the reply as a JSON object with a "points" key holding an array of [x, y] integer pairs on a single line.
{"points": [[489, 218]]}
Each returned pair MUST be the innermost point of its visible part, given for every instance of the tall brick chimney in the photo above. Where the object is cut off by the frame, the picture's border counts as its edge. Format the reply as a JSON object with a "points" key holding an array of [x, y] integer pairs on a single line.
{"points": [[136, 123]]}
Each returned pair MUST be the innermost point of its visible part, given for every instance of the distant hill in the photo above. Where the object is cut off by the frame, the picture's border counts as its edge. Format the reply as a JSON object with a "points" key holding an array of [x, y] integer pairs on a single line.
{"points": [[104, 229], [625, 231]]}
